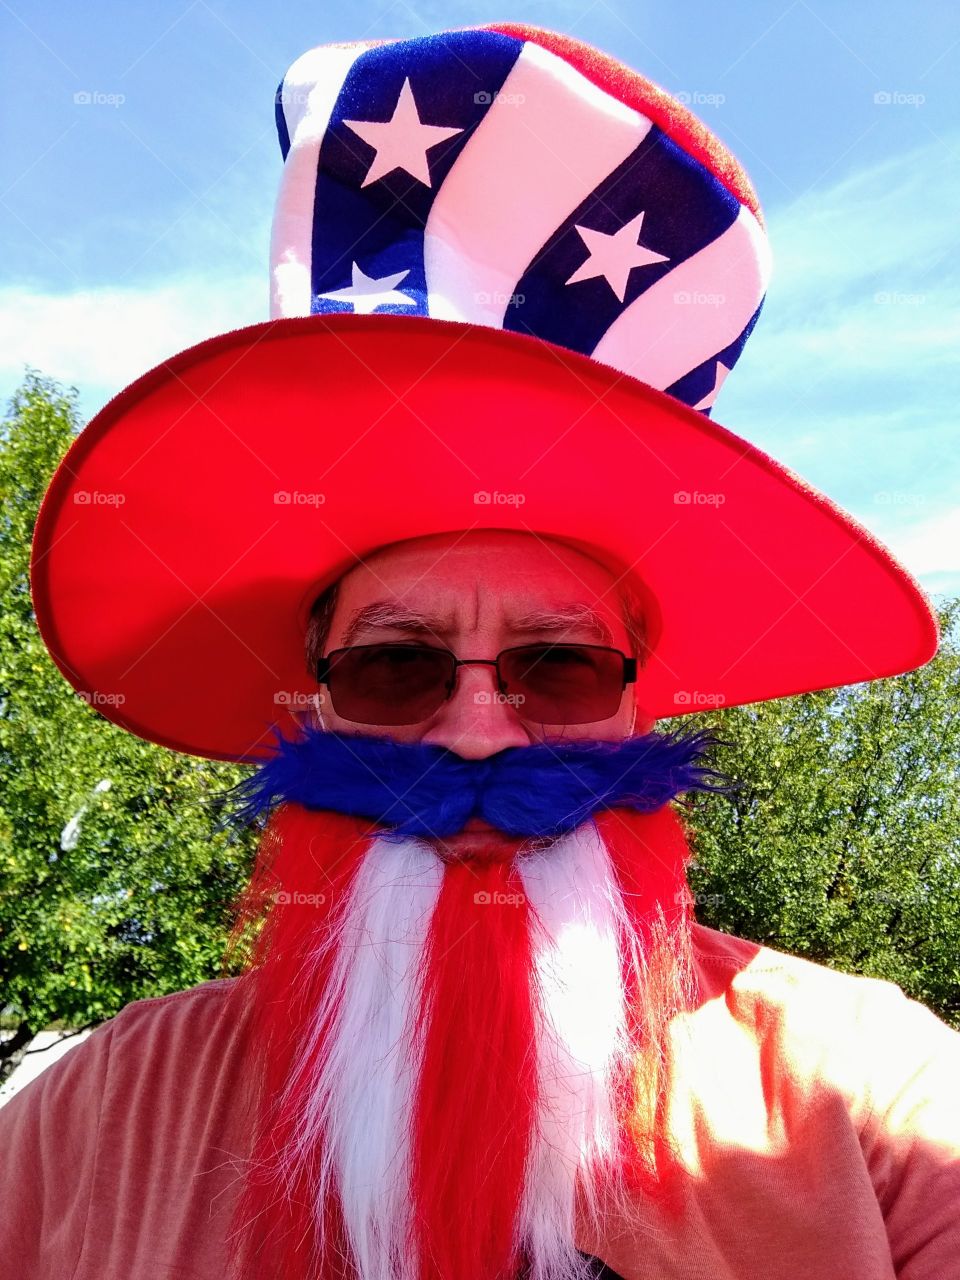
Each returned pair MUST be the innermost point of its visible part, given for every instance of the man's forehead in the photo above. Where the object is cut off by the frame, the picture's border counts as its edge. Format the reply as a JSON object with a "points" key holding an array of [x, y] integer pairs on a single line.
{"points": [[521, 615], [448, 581]]}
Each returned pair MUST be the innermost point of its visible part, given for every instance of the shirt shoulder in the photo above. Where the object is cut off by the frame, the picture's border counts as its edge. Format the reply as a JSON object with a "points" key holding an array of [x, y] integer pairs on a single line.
{"points": [[867, 1030], [190, 1011], [834, 1048], [85, 1124], [809, 995]]}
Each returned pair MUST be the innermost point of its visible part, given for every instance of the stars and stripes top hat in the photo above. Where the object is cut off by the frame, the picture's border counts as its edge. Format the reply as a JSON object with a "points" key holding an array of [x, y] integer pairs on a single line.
{"points": [[508, 277], [487, 176]]}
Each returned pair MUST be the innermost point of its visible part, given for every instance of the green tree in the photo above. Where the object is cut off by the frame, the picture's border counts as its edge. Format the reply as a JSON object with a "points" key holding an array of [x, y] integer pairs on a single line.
{"points": [[115, 881], [843, 841]]}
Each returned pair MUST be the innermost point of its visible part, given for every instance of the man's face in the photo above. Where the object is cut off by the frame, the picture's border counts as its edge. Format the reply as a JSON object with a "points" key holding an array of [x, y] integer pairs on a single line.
{"points": [[477, 592]]}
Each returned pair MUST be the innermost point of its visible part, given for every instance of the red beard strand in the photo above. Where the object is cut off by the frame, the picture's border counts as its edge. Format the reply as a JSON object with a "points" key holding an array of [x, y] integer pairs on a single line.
{"points": [[316, 854], [650, 853], [476, 1099]]}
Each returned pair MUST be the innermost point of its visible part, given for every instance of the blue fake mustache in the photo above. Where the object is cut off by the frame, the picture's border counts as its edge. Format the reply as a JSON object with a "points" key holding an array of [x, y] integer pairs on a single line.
{"points": [[419, 789]]}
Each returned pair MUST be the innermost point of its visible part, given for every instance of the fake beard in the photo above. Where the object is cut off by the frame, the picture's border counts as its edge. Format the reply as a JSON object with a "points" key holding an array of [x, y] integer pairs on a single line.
{"points": [[460, 1061]]}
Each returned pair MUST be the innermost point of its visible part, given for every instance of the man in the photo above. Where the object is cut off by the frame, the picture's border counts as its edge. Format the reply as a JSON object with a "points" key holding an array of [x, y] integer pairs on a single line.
{"points": [[479, 1034], [454, 906]]}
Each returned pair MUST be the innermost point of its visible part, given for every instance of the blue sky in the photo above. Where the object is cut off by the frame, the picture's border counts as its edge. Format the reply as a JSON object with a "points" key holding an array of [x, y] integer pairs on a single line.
{"points": [[137, 223]]}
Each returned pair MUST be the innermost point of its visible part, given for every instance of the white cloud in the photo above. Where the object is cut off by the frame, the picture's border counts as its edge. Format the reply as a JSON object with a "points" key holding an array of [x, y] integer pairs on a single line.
{"points": [[831, 239], [851, 377], [101, 339], [865, 280], [930, 546]]}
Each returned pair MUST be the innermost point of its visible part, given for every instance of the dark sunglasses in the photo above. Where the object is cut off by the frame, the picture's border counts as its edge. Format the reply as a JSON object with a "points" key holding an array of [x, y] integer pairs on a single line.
{"points": [[407, 683]]}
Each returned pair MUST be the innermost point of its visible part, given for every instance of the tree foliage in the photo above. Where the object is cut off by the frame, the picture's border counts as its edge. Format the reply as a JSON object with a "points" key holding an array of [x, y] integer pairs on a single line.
{"points": [[114, 882], [843, 842]]}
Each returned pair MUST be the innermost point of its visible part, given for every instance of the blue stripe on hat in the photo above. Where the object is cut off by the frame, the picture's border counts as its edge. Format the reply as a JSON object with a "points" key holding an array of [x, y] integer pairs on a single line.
{"points": [[686, 208], [283, 133], [699, 382]]}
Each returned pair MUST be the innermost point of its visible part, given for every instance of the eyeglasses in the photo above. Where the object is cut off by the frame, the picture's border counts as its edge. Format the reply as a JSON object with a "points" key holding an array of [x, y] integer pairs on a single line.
{"points": [[407, 683]]}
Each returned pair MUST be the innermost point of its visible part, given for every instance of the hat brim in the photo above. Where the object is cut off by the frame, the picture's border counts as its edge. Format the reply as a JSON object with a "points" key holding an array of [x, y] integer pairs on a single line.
{"points": [[171, 583]]}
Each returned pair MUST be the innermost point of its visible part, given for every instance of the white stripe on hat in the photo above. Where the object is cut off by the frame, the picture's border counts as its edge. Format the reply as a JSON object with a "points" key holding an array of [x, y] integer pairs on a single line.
{"points": [[548, 139], [308, 95], [694, 311]]}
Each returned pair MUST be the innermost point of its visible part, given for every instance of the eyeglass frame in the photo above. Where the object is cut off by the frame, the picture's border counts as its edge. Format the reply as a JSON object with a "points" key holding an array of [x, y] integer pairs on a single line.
{"points": [[322, 666]]}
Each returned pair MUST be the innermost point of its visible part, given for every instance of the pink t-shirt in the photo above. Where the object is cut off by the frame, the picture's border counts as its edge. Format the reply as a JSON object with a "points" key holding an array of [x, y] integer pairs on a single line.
{"points": [[817, 1115]]}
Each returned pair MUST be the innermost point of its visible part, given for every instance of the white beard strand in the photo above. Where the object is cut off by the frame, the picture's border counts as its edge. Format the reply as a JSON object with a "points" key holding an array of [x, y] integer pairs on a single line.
{"points": [[579, 926], [362, 1097]]}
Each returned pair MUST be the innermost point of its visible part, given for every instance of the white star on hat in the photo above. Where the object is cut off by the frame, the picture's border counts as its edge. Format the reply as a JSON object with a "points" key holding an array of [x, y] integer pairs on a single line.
{"points": [[402, 142], [613, 255], [367, 293], [720, 376]]}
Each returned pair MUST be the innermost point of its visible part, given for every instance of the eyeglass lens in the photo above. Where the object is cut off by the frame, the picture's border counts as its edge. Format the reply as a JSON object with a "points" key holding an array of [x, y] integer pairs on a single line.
{"points": [[392, 684]]}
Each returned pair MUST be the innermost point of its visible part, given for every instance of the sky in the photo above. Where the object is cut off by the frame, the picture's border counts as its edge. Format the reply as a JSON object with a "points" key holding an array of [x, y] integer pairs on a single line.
{"points": [[139, 165]]}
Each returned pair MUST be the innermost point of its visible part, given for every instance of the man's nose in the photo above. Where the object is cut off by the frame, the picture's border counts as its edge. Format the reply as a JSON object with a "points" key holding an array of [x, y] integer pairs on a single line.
{"points": [[477, 721]]}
